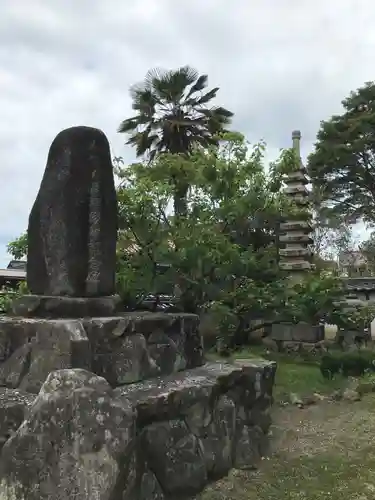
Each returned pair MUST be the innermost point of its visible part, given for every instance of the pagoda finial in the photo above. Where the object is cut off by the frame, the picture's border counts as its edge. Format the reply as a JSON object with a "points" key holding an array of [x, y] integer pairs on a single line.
{"points": [[296, 138]]}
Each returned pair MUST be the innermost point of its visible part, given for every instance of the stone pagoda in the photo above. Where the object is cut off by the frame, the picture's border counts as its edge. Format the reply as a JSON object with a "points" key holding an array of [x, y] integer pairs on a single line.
{"points": [[295, 240]]}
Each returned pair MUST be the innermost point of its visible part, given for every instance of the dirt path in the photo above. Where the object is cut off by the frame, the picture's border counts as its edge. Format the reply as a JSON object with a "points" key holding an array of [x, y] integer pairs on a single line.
{"points": [[324, 451]]}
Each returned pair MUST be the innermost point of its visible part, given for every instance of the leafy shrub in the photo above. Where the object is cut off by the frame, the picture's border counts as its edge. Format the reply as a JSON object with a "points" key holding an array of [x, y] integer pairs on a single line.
{"points": [[354, 363], [6, 298], [7, 295]]}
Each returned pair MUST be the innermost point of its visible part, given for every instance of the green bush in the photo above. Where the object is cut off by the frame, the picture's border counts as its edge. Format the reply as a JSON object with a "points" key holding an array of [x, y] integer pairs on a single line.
{"points": [[348, 364]]}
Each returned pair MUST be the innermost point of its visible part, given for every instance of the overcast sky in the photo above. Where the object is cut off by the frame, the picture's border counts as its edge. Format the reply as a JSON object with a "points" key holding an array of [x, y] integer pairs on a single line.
{"points": [[280, 65]]}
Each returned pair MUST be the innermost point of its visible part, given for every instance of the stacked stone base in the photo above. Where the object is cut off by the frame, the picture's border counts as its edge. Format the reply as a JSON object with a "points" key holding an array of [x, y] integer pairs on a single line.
{"points": [[123, 408], [123, 349], [165, 438]]}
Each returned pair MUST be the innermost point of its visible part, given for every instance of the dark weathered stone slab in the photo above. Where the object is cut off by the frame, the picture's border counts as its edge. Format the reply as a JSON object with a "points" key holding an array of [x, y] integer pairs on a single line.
{"points": [[73, 223], [300, 332], [42, 306], [247, 382], [72, 444], [58, 344]]}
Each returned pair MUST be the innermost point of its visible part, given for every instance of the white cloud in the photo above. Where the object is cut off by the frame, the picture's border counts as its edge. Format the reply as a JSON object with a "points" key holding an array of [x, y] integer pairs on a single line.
{"points": [[280, 66]]}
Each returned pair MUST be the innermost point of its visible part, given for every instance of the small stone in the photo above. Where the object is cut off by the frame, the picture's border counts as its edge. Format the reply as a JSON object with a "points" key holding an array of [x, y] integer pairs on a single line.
{"points": [[351, 395], [337, 395], [295, 399]]}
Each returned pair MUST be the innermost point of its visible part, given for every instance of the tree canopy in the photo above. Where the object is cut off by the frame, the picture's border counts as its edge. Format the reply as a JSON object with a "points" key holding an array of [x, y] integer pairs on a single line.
{"points": [[174, 115], [342, 165]]}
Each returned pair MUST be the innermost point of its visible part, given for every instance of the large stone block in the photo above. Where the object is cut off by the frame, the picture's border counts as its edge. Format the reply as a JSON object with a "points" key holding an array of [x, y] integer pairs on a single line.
{"points": [[197, 424], [73, 223], [136, 346], [57, 344]]}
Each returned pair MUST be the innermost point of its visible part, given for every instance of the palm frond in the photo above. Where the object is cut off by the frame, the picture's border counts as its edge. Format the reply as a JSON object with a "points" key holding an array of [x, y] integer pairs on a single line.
{"points": [[128, 125], [198, 86], [207, 96]]}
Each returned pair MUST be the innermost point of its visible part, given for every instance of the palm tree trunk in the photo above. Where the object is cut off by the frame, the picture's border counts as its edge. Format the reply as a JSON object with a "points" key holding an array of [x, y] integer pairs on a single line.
{"points": [[180, 199]]}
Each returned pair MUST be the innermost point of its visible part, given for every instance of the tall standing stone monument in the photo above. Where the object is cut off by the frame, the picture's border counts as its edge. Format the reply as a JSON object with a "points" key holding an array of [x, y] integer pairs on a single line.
{"points": [[72, 230]]}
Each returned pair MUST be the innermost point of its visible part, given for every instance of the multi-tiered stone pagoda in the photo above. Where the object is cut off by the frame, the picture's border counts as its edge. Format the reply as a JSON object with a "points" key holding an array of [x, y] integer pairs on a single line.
{"points": [[295, 240]]}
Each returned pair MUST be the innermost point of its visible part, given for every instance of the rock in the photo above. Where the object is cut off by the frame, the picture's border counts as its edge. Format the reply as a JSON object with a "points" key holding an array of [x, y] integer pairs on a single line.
{"points": [[337, 395], [58, 344], [150, 488], [319, 397], [72, 444], [351, 395], [218, 439], [130, 363], [270, 344], [295, 399], [137, 346], [310, 400], [15, 367], [13, 407], [174, 454], [72, 227], [365, 387], [250, 446]]}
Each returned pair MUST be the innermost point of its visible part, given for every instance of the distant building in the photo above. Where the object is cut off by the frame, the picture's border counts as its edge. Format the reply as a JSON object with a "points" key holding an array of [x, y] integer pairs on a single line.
{"points": [[352, 263], [13, 274]]}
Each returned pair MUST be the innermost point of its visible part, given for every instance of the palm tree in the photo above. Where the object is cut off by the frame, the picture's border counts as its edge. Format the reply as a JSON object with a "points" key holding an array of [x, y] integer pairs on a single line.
{"points": [[173, 117]]}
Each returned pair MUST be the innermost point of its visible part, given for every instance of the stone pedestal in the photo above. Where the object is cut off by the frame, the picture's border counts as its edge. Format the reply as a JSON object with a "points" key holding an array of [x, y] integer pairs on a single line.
{"points": [[48, 306], [123, 349], [290, 335]]}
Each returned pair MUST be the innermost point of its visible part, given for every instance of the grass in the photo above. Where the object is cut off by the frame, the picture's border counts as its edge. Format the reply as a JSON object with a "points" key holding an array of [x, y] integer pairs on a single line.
{"points": [[323, 451], [293, 374]]}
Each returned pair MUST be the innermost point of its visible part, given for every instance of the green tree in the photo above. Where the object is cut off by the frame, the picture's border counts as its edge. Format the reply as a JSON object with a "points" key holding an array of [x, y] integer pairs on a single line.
{"points": [[18, 248], [173, 116], [342, 165], [367, 248], [223, 258]]}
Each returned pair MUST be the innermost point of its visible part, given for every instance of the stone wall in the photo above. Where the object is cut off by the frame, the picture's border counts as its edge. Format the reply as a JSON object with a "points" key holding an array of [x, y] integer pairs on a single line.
{"points": [[123, 349], [161, 439]]}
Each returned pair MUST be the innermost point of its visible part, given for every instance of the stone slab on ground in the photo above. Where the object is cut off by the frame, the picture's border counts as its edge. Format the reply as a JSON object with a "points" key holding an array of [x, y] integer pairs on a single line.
{"points": [[300, 332], [160, 439]]}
